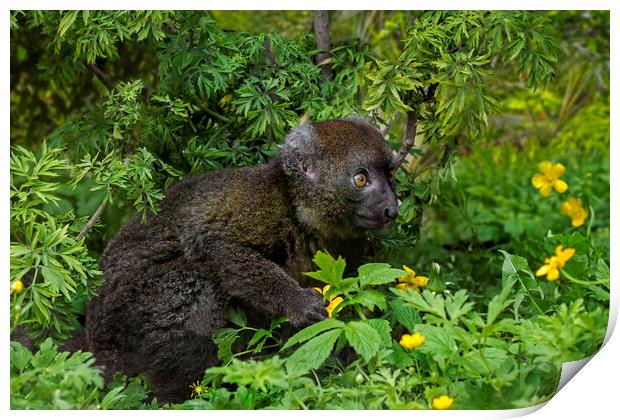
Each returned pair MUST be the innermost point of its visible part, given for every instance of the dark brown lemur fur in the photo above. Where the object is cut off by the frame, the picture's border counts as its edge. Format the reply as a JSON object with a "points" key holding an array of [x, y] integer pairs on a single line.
{"points": [[233, 236]]}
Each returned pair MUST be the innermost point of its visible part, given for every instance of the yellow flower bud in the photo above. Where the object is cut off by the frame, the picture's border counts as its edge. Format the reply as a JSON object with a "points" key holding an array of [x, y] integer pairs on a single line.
{"points": [[17, 286], [412, 341], [443, 402]]}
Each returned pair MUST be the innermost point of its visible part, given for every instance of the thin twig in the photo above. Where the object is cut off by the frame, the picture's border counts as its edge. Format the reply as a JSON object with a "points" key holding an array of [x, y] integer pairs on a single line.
{"points": [[102, 75], [93, 219], [388, 126], [323, 42], [405, 148], [191, 124], [268, 53]]}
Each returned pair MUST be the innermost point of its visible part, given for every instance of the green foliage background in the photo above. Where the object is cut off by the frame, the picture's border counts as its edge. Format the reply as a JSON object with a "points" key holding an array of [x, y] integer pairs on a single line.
{"points": [[109, 108]]}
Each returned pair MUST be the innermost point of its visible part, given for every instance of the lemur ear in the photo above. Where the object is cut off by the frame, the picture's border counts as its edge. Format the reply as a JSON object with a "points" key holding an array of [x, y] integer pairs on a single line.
{"points": [[297, 151], [306, 167]]}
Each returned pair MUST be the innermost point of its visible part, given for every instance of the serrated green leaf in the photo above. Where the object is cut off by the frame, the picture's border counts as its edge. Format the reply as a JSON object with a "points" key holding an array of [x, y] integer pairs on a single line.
{"points": [[363, 338], [312, 354], [331, 270], [237, 317], [405, 314], [457, 305], [438, 343], [426, 301], [368, 299], [314, 329], [20, 356], [378, 273], [382, 326]]}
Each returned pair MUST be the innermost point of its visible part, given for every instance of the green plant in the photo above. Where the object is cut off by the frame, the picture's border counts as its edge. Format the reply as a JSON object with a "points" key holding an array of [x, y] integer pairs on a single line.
{"points": [[49, 379]]}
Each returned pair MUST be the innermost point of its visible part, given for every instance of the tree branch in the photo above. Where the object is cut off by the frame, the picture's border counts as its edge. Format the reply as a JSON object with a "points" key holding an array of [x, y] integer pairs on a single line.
{"points": [[268, 53], [93, 219], [412, 120], [323, 42], [101, 74]]}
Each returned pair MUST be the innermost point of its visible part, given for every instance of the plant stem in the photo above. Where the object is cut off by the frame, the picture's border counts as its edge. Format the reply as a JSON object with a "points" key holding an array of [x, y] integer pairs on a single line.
{"points": [[587, 283], [412, 119], [589, 229], [93, 219], [252, 350], [527, 292]]}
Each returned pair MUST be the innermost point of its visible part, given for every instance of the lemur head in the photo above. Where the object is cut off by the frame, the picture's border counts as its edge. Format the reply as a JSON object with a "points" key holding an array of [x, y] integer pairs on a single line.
{"points": [[341, 176]]}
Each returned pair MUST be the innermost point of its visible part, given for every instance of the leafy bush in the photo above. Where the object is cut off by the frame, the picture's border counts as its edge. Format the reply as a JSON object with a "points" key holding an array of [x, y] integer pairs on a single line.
{"points": [[56, 380], [477, 358]]}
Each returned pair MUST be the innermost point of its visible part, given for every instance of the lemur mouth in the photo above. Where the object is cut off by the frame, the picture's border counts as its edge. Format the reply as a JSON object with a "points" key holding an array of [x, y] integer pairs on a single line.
{"points": [[374, 223]]}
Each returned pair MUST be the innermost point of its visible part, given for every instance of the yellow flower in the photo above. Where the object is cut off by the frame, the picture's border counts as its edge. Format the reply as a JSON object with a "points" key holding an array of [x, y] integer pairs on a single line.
{"points": [[443, 402], [549, 177], [573, 209], [412, 341], [555, 262], [198, 389], [411, 281], [17, 286], [334, 301], [325, 289]]}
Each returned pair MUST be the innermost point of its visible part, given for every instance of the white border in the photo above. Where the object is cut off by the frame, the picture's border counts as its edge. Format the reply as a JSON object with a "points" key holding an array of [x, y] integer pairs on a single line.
{"points": [[595, 390]]}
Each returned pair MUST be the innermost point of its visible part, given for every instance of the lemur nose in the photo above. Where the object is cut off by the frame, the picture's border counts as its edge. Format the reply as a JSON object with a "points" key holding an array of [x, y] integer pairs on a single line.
{"points": [[390, 213]]}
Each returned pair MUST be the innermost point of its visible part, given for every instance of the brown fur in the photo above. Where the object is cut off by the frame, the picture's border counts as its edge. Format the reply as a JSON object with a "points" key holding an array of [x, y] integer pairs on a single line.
{"points": [[239, 236]]}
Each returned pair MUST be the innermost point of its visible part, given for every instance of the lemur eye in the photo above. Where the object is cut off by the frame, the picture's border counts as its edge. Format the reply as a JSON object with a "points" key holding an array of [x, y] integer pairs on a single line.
{"points": [[390, 176], [360, 180]]}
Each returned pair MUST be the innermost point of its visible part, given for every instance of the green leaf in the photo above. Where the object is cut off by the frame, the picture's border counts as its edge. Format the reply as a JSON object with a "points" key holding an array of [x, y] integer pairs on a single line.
{"points": [[260, 333], [363, 338], [426, 301], [112, 397], [66, 22], [224, 338], [439, 342], [382, 326], [601, 272], [486, 361], [369, 299], [331, 270], [257, 374], [54, 280], [20, 356], [457, 305], [46, 354], [314, 329], [499, 303], [598, 293], [401, 358], [378, 273], [405, 314], [517, 268], [237, 317], [313, 353]]}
